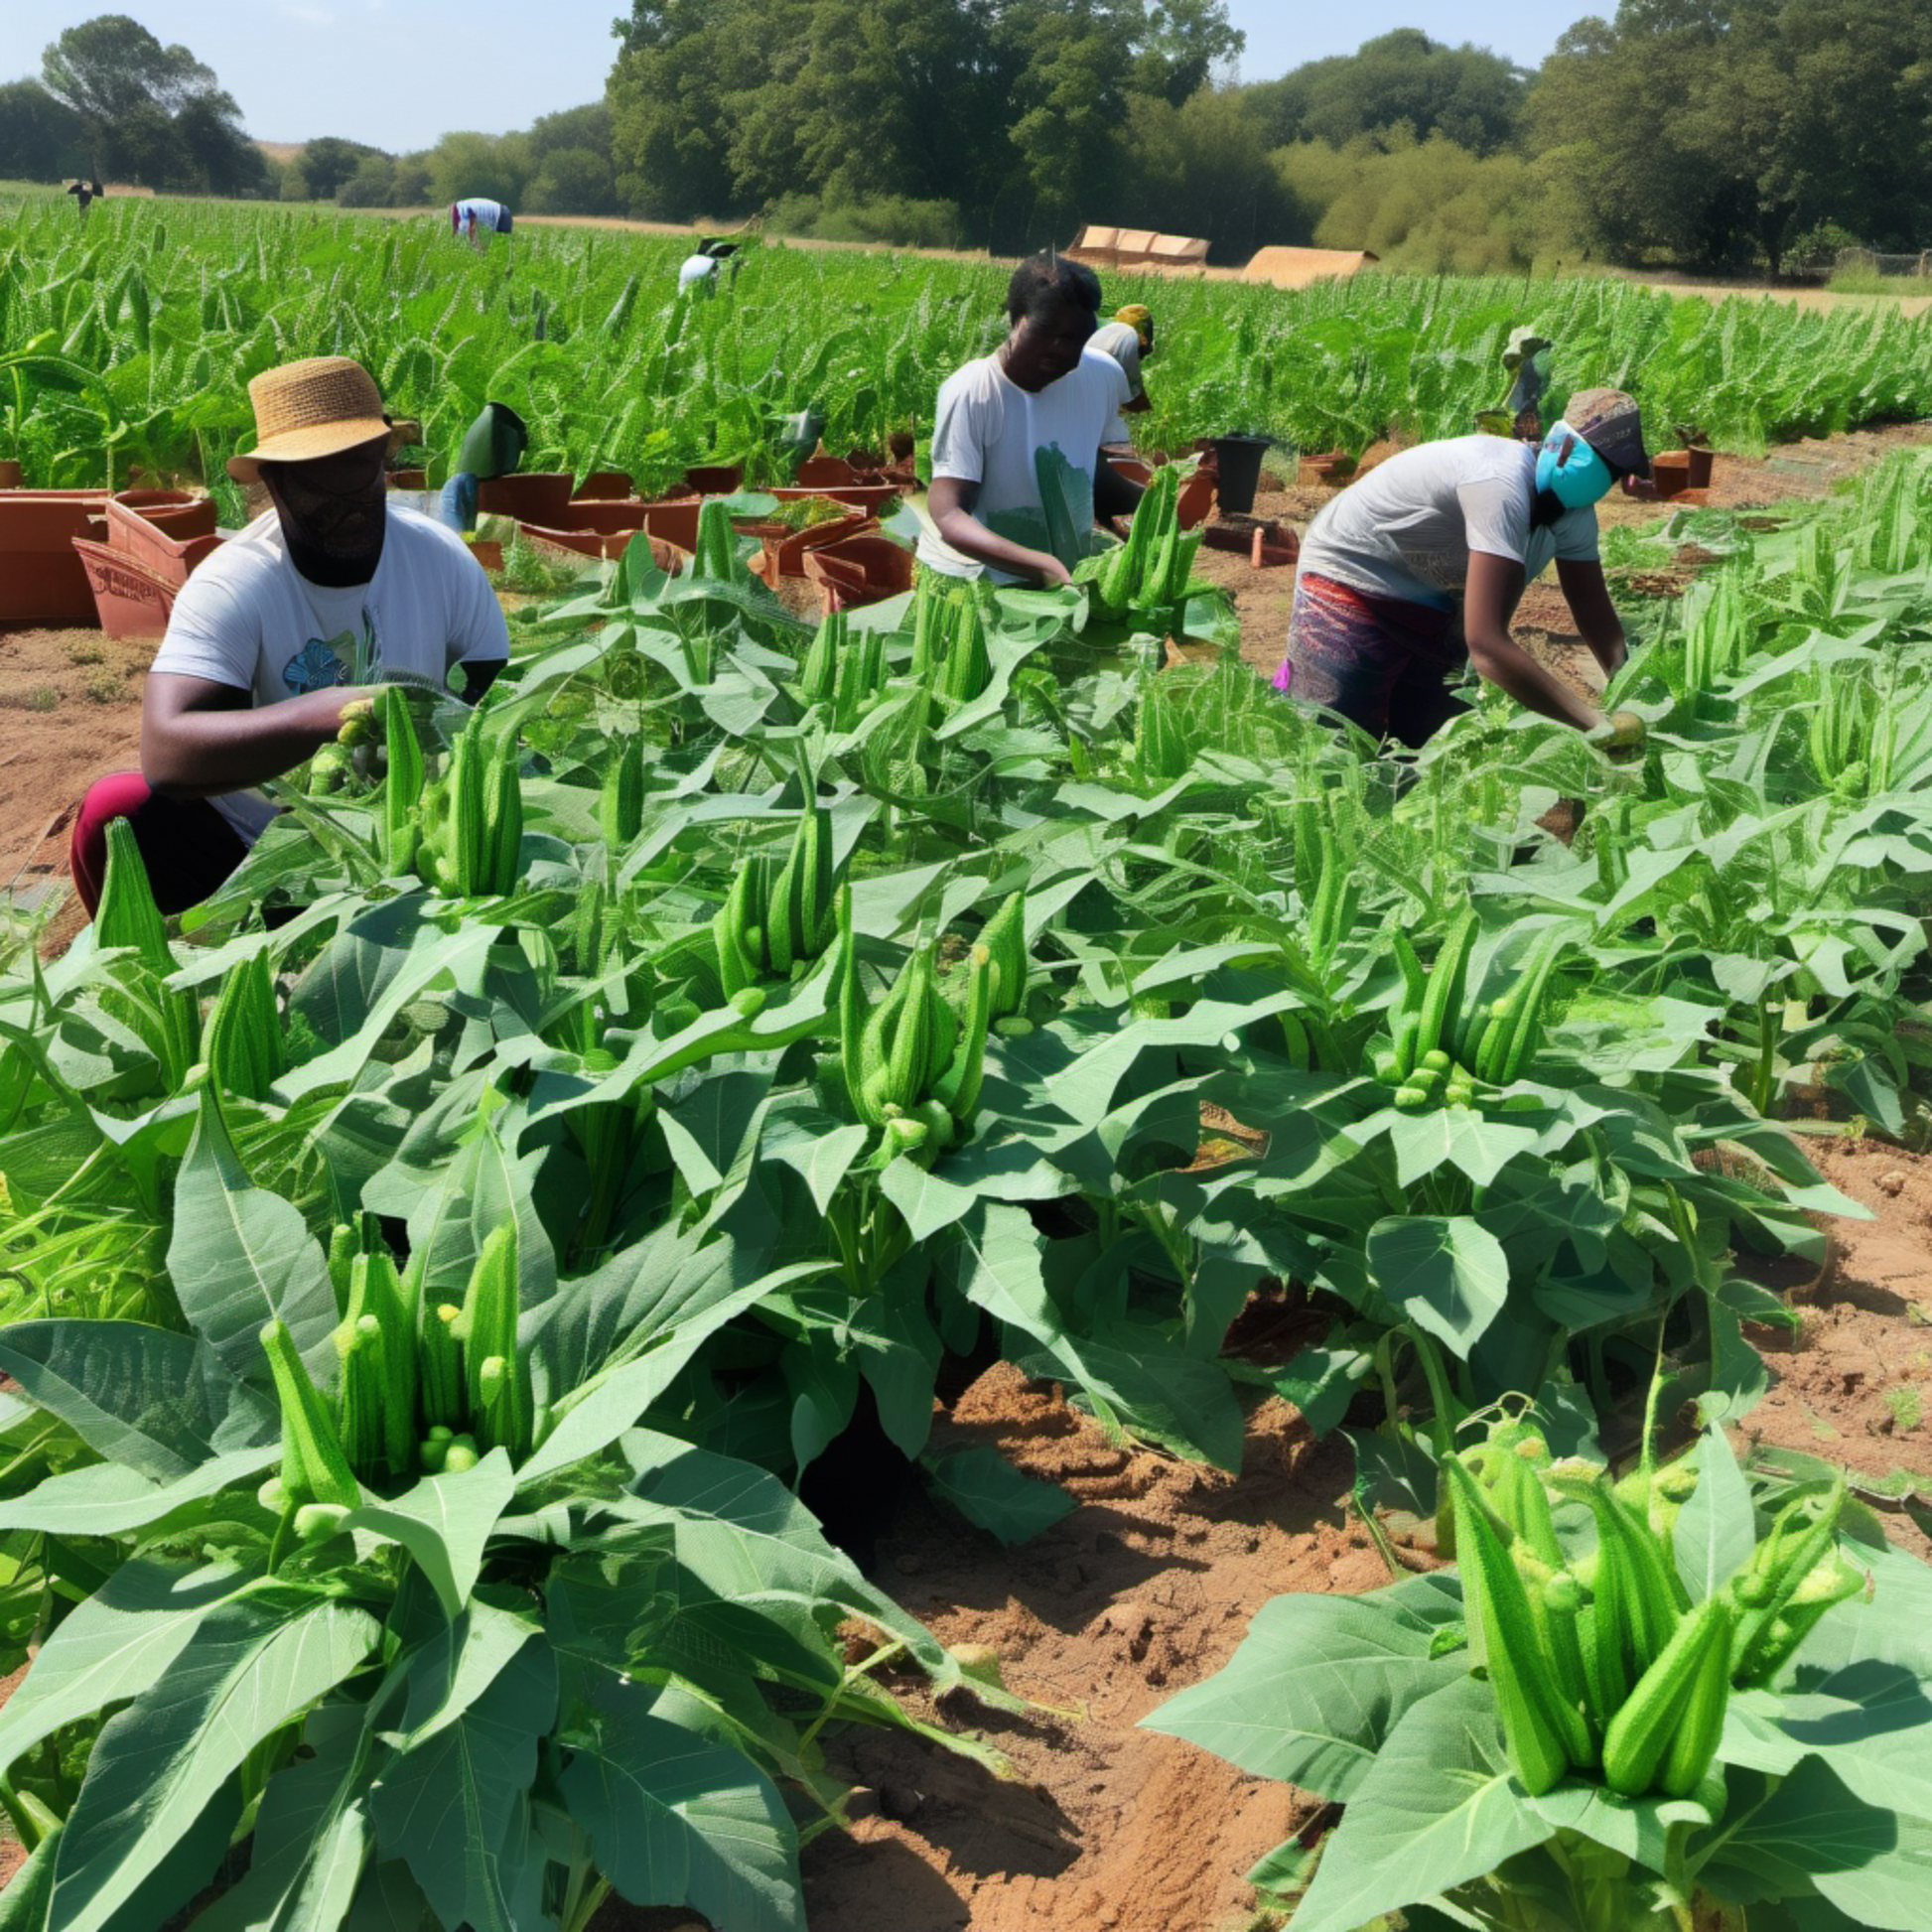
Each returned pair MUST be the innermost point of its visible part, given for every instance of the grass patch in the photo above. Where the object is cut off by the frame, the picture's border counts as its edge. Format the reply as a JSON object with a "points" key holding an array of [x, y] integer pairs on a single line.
{"points": [[36, 697], [1907, 1407]]}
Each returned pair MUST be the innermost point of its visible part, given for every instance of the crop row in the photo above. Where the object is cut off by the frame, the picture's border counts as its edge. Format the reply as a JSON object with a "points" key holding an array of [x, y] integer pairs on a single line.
{"points": [[133, 342], [431, 1278]]}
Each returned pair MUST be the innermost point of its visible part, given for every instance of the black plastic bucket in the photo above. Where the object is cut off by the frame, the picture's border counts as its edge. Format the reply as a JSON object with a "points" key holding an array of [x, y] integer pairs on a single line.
{"points": [[1238, 461]]}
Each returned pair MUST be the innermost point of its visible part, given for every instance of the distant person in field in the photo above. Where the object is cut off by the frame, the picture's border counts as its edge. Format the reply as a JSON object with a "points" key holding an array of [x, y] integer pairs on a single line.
{"points": [[320, 600], [1413, 573], [1036, 390], [86, 193], [476, 221], [702, 270], [1128, 341]]}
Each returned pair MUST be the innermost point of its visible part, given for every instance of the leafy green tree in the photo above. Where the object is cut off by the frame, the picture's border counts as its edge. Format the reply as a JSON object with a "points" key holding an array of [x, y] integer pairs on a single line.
{"points": [[1467, 93], [1713, 131], [493, 166], [1209, 154], [149, 111], [41, 138], [330, 161]]}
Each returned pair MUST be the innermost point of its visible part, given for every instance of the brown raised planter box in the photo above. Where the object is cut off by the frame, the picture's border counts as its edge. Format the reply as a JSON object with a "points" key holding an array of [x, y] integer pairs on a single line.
{"points": [[170, 538], [1237, 532], [714, 478], [530, 497], [783, 552], [42, 577], [858, 571], [604, 486], [608, 544], [862, 496], [130, 599]]}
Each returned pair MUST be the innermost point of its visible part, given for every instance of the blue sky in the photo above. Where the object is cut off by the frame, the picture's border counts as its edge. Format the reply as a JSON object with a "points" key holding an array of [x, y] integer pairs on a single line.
{"points": [[400, 72]]}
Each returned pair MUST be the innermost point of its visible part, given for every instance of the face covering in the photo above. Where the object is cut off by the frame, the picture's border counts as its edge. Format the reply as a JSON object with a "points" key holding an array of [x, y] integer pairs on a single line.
{"points": [[1571, 470]]}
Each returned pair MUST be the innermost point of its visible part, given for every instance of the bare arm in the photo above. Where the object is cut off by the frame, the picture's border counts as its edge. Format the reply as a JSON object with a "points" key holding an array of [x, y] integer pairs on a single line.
{"points": [[1588, 598], [1135, 404], [199, 737], [950, 504], [1495, 584]]}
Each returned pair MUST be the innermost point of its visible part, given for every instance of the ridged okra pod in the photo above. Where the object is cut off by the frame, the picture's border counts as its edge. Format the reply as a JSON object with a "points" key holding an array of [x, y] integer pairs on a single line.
{"points": [[315, 1468], [1666, 1734], [243, 1039]]}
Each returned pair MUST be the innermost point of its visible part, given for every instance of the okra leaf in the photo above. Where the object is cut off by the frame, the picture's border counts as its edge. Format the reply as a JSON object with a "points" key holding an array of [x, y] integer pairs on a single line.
{"points": [[1436, 1809], [1638, 1827], [140, 1396], [456, 1805], [241, 1256], [113, 1646], [1717, 1529], [247, 1669], [926, 1202], [1317, 1685], [676, 1819], [1878, 1740], [108, 1498], [1448, 1275], [444, 1523]]}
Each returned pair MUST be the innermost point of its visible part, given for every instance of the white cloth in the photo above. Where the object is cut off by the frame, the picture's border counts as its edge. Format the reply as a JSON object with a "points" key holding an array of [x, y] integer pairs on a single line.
{"points": [[986, 429], [697, 268], [248, 619], [1406, 529], [1120, 342], [490, 217]]}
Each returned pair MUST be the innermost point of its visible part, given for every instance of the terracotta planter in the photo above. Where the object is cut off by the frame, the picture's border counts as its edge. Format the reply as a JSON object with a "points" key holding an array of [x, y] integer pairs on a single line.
{"points": [[535, 497], [130, 599], [169, 545], [1703, 460], [603, 485], [608, 544], [782, 552], [714, 478], [822, 472], [488, 551], [1132, 468], [858, 571], [862, 496], [41, 577], [408, 478], [676, 520], [607, 516], [1196, 499], [10, 474]]}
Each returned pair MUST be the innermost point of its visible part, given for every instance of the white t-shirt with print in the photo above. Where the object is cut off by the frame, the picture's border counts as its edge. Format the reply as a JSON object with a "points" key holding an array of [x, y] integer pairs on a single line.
{"points": [[985, 431], [696, 268], [248, 619], [1406, 529], [1120, 342]]}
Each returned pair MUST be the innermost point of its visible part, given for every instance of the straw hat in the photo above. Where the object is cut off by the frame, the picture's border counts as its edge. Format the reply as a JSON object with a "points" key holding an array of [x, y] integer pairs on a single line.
{"points": [[316, 408]]}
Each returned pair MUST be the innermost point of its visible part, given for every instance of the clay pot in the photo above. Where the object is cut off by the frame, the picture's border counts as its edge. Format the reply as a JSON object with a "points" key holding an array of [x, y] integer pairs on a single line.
{"points": [[130, 599], [782, 552], [858, 571], [608, 544], [817, 472], [42, 577], [675, 519], [1703, 459], [530, 497], [1132, 468], [170, 548], [1196, 499], [714, 478]]}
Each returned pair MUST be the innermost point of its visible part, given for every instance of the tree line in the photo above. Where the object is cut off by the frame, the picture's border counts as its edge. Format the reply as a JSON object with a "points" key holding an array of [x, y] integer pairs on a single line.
{"points": [[1708, 134]]}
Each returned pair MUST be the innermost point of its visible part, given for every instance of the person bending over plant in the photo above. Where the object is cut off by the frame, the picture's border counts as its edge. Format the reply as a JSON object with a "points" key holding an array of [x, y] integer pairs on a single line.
{"points": [[1415, 571], [323, 598]]}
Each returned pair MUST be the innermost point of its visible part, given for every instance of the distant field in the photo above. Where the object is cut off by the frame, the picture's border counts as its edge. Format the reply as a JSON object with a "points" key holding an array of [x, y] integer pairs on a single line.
{"points": [[148, 320]]}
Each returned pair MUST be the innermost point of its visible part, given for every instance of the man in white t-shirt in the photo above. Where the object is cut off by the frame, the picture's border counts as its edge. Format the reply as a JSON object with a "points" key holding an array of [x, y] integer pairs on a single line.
{"points": [[1036, 391], [701, 270], [1128, 341], [1415, 571], [311, 608]]}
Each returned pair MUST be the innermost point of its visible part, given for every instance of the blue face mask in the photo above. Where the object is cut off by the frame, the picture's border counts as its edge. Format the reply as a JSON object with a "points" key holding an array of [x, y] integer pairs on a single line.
{"points": [[1570, 469]]}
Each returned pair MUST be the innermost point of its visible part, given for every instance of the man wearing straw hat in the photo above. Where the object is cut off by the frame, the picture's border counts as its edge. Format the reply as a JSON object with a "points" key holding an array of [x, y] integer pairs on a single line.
{"points": [[324, 597]]}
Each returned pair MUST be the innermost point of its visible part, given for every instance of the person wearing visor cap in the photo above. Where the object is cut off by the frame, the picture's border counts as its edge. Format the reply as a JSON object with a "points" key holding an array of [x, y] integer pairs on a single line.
{"points": [[1415, 572], [332, 592]]}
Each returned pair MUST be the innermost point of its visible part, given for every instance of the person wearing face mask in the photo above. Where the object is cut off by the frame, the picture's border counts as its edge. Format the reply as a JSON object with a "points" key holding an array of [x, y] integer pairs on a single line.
{"points": [[325, 596], [1414, 573], [1035, 391]]}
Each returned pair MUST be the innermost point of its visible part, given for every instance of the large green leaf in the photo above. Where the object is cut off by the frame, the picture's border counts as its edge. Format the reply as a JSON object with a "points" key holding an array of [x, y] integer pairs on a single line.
{"points": [[454, 1806], [240, 1257], [1438, 1808], [1319, 1683], [115, 1646], [1717, 1528], [444, 1523], [248, 1667], [1449, 1277], [140, 1396], [993, 1495], [677, 1820], [107, 1498]]}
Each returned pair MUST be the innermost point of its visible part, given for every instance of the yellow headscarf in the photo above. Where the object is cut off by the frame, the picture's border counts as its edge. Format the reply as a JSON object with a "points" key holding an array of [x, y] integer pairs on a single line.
{"points": [[1140, 319]]}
